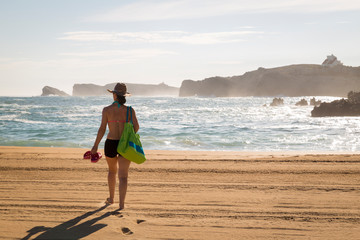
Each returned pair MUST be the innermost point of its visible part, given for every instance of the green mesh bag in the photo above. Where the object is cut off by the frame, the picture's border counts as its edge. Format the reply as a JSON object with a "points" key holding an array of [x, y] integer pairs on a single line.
{"points": [[129, 145]]}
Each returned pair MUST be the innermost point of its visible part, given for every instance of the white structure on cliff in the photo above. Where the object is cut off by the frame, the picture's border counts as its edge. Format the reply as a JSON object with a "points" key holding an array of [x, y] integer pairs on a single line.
{"points": [[331, 61]]}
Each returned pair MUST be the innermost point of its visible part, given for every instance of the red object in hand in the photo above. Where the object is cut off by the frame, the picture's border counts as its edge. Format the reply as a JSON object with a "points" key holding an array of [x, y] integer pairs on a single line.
{"points": [[94, 157], [87, 155]]}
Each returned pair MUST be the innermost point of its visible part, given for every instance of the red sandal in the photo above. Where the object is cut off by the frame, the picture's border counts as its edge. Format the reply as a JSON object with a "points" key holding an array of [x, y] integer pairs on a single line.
{"points": [[94, 157]]}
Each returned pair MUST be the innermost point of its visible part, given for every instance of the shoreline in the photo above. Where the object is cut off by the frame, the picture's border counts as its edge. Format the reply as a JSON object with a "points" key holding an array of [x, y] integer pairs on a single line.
{"points": [[49, 193], [196, 152]]}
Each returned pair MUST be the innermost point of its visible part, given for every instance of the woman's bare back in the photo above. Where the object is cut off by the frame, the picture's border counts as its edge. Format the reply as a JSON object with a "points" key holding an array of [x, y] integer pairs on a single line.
{"points": [[116, 117]]}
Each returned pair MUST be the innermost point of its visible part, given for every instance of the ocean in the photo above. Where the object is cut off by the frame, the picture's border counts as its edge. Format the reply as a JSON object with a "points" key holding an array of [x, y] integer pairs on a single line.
{"points": [[173, 123]]}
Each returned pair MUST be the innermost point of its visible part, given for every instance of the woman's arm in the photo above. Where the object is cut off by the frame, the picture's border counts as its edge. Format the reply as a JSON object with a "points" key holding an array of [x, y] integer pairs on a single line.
{"points": [[135, 121], [101, 132]]}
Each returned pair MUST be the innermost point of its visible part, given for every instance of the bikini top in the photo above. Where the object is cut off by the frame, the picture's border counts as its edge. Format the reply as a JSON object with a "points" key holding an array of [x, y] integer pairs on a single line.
{"points": [[118, 121]]}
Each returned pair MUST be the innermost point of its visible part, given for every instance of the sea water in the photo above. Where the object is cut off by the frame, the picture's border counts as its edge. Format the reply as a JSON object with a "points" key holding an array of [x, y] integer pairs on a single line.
{"points": [[173, 123]]}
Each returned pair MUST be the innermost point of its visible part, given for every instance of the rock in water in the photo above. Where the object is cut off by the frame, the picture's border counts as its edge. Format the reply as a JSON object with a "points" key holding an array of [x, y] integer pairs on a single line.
{"points": [[315, 102], [277, 102], [302, 102], [354, 97], [50, 91], [339, 108]]}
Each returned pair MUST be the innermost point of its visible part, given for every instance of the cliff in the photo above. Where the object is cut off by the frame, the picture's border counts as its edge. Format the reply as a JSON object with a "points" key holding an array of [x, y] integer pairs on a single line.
{"points": [[50, 91], [293, 80], [135, 89]]}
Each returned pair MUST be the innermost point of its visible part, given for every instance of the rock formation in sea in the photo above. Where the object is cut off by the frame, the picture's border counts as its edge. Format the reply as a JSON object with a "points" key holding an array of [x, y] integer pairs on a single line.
{"points": [[135, 89], [302, 102], [277, 102], [331, 78], [50, 91], [342, 107], [314, 102]]}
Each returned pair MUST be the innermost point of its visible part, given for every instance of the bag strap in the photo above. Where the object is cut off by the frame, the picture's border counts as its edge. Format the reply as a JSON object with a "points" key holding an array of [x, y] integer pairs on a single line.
{"points": [[127, 114], [131, 115]]}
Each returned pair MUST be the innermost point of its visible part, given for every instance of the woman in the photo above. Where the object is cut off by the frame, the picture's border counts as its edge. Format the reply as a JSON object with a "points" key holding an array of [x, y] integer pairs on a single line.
{"points": [[114, 116]]}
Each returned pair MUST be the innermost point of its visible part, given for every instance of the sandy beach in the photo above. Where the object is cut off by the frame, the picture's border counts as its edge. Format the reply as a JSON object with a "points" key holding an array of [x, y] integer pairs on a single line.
{"points": [[52, 193]]}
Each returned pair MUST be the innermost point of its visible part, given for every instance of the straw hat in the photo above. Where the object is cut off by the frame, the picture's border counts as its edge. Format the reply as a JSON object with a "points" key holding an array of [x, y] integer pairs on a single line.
{"points": [[120, 89]]}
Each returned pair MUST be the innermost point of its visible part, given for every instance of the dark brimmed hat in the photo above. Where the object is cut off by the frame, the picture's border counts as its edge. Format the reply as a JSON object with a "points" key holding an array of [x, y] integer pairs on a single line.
{"points": [[120, 89]]}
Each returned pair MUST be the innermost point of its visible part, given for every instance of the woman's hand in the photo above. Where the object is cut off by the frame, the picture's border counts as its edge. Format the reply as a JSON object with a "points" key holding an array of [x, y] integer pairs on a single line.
{"points": [[94, 149]]}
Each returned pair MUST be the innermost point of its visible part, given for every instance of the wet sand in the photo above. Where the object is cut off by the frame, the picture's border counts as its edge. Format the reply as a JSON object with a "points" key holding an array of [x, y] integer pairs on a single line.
{"points": [[52, 193]]}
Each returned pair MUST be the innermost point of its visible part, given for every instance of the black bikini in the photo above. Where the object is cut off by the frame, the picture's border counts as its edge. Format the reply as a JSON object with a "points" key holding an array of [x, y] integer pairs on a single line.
{"points": [[111, 148]]}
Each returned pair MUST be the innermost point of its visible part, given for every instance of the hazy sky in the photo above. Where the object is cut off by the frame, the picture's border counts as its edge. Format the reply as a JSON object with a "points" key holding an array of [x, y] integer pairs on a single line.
{"points": [[62, 42]]}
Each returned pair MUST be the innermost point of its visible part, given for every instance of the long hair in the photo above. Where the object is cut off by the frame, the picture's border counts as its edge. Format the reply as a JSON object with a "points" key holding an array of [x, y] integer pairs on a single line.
{"points": [[121, 99]]}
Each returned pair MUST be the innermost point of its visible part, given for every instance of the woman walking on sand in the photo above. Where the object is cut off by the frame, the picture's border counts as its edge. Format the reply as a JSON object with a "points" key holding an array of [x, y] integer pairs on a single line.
{"points": [[114, 116]]}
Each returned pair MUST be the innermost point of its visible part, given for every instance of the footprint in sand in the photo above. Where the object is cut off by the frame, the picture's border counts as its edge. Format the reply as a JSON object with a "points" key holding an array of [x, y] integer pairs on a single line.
{"points": [[139, 221], [126, 231], [118, 214]]}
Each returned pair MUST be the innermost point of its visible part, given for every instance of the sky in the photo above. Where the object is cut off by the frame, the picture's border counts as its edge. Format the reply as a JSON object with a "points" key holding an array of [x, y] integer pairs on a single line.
{"points": [[59, 43]]}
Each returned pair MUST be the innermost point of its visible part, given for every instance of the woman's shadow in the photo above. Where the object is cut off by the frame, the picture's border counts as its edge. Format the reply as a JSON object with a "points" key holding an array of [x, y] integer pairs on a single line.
{"points": [[69, 229]]}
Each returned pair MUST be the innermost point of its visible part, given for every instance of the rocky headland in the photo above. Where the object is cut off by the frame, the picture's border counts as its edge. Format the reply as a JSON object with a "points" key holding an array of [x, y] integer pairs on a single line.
{"points": [[331, 78], [135, 89], [97, 90]]}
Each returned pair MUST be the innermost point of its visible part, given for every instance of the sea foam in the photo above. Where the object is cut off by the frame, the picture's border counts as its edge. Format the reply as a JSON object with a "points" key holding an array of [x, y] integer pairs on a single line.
{"points": [[171, 123]]}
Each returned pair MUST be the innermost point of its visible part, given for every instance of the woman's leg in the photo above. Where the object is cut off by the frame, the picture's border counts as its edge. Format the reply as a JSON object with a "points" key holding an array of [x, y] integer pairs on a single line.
{"points": [[124, 165], [112, 164]]}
